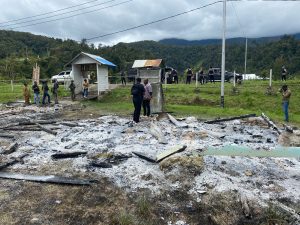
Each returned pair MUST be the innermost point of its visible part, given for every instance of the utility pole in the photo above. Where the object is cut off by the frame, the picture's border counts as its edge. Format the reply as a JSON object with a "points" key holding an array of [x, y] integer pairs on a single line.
{"points": [[223, 55], [246, 50]]}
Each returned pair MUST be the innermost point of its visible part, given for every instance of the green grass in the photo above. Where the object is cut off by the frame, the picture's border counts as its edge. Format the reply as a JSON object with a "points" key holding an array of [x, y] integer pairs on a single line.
{"points": [[185, 100]]}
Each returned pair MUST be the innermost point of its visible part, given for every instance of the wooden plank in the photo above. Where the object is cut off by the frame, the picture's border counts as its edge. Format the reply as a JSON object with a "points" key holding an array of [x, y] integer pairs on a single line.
{"points": [[27, 123], [231, 118], [270, 123], [170, 152], [71, 145], [156, 132], [45, 179], [145, 156], [176, 122], [12, 161], [7, 135], [69, 124], [46, 130], [66, 155], [10, 149]]}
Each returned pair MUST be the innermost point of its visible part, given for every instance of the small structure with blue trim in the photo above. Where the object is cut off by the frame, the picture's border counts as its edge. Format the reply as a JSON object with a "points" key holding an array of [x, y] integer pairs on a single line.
{"points": [[92, 67]]}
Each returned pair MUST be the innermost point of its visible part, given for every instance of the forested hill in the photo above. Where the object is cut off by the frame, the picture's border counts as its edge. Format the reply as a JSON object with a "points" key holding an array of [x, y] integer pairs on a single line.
{"points": [[19, 51], [238, 40]]}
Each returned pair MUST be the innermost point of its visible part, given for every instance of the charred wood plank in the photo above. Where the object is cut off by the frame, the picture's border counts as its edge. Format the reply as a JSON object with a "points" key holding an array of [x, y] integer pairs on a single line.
{"points": [[176, 122], [231, 118], [45, 179], [170, 152], [270, 123], [100, 164], [7, 135], [156, 132], [46, 129], [12, 161], [67, 155], [10, 149], [71, 145], [69, 124], [35, 122], [144, 156]]}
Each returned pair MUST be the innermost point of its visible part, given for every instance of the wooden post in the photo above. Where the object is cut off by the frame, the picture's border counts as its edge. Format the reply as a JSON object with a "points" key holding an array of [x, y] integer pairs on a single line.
{"points": [[197, 80], [12, 85], [234, 78], [270, 84]]}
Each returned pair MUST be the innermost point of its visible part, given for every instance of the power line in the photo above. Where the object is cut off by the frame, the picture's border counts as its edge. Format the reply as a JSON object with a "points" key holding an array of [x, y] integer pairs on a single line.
{"points": [[238, 18], [155, 21], [47, 13], [47, 17], [61, 18]]}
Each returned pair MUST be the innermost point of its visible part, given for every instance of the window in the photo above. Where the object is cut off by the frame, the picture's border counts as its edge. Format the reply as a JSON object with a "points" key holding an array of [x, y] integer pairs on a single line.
{"points": [[61, 73], [68, 72]]}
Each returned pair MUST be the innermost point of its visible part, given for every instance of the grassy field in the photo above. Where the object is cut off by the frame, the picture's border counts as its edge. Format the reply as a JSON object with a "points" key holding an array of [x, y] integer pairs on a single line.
{"points": [[203, 102]]}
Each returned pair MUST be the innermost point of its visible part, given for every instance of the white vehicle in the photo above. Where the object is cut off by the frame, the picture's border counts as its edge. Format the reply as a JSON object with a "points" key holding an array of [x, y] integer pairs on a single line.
{"points": [[63, 76]]}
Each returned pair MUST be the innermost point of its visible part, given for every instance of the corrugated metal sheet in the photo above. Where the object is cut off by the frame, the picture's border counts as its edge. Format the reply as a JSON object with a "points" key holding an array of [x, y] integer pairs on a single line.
{"points": [[100, 59], [147, 63]]}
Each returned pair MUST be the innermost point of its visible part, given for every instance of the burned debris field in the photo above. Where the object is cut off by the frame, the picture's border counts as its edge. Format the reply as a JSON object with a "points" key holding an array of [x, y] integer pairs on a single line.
{"points": [[62, 169]]}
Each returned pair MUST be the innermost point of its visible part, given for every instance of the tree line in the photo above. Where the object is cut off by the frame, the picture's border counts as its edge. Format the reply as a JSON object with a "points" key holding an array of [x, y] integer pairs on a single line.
{"points": [[20, 51]]}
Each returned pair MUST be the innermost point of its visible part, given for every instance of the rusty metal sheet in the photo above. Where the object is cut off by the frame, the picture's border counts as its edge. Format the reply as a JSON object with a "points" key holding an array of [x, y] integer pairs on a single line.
{"points": [[153, 63]]}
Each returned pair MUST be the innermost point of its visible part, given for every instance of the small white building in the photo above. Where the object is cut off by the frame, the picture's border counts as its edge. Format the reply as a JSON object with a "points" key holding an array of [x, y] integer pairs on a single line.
{"points": [[85, 65]]}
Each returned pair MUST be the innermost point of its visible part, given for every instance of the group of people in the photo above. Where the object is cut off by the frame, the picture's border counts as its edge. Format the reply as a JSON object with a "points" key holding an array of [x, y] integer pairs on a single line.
{"points": [[201, 75], [36, 93], [141, 96], [46, 99]]}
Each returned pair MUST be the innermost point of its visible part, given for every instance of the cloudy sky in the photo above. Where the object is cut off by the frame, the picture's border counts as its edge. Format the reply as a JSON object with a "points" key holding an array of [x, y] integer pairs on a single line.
{"points": [[88, 19]]}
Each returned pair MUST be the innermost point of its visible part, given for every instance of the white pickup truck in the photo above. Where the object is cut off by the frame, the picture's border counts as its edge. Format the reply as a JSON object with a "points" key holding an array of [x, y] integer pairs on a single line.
{"points": [[63, 76]]}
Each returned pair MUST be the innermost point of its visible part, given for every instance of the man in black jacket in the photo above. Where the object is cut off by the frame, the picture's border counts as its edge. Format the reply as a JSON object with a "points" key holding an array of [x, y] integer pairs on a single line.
{"points": [[36, 92], [45, 89], [137, 92]]}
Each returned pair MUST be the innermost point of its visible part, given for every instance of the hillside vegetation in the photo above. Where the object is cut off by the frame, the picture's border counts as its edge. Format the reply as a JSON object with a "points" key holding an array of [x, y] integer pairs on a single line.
{"points": [[20, 51]]}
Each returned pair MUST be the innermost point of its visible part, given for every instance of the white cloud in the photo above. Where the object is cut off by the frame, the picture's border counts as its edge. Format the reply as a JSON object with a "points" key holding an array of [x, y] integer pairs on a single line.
{"points": [[256, 18]]}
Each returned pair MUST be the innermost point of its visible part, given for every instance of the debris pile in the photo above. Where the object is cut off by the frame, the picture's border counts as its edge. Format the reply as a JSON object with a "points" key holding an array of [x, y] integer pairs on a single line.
{"points": [[157, 155]]}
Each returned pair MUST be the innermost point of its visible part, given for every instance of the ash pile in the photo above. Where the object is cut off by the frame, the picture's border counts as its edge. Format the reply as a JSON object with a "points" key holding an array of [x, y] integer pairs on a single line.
{"points": [[160, 154]]}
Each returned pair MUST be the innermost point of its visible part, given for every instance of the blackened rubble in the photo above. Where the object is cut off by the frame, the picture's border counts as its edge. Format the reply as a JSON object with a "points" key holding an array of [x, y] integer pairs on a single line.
{"points": [[107, 137]]}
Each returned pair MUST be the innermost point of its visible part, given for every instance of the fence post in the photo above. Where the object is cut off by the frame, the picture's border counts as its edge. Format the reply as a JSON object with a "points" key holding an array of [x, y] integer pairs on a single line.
{"points": [[270, 81], [12, 85], [234, 78], [197, 80]]}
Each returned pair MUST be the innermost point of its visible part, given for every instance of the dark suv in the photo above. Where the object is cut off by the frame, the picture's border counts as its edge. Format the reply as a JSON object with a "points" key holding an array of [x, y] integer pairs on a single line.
{"points": [[229, 76]]}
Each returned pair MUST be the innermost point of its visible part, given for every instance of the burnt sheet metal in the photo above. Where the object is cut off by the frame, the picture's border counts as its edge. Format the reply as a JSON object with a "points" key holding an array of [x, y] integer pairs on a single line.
{"points": [[231, 150], [45, 179], [147, 63]]}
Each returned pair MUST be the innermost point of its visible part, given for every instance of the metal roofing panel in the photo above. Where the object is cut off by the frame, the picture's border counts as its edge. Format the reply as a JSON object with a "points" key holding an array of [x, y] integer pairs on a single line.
{"points": [[139, 63], [147, 63], [100, 59], [153, 63]]}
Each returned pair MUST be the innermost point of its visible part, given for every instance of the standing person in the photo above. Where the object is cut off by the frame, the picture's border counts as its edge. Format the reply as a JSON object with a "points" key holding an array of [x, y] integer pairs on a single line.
{"points": [[123, 80], [147, 97], [211, 75], [36, 92], [72, 88], [45, 89], [175, 76], [26, 94], [201, 76], [137, 92], [189, 75], [55, 91], [286, 94], [283, 73], [85, 87]]}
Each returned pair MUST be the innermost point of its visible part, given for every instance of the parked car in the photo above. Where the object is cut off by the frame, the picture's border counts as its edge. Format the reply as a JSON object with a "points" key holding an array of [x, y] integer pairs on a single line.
{"points": [[229, 76], [63, 76]]}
